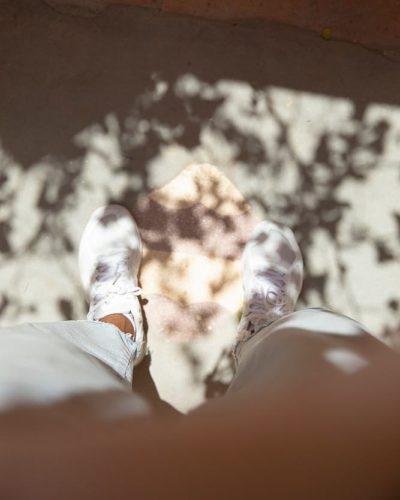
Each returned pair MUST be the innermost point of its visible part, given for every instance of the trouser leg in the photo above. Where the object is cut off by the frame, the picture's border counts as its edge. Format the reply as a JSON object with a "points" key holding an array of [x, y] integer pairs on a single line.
{"points": [[303, 348], [43, 363]]}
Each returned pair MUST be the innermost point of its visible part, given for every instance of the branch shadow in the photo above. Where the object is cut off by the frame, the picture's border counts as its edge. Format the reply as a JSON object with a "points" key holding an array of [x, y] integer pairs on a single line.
{"points": [[114, 107]]}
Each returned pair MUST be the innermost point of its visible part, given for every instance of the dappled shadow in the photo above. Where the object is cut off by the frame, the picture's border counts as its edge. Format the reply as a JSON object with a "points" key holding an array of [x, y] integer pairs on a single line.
{"points": [[111, 109]]}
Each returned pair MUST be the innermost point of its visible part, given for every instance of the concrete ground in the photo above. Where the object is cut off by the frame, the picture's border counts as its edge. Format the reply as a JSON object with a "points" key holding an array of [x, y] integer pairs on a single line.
{"points": [[201, 129]]}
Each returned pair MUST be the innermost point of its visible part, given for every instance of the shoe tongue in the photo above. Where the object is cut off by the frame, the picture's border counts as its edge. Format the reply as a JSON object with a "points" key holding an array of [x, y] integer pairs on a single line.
{"points": [[115, 257], [120, 305]]}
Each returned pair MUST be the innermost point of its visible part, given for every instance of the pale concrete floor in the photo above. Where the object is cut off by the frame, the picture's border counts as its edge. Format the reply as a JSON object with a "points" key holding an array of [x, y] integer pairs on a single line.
{"points": [[113, 108]]}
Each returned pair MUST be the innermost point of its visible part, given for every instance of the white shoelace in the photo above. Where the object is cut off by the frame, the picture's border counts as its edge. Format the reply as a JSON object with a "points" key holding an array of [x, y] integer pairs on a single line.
{"points": [[112, 276], [276, 293], [265, 307]]}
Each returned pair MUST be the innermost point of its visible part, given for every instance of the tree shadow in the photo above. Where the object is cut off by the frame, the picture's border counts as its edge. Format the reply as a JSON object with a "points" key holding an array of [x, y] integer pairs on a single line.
{"points": [[112, 108]]}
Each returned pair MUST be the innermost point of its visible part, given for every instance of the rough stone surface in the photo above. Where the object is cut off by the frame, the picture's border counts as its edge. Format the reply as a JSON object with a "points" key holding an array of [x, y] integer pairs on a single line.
{"points": [[86, 8]]}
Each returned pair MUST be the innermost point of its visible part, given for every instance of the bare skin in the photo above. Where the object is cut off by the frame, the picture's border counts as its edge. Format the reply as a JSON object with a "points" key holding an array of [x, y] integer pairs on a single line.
{"points": [[120, 321]]}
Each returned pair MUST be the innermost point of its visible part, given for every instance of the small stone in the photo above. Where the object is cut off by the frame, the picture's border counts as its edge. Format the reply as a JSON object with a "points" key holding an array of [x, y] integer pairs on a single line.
{"points": [[327, 34]]}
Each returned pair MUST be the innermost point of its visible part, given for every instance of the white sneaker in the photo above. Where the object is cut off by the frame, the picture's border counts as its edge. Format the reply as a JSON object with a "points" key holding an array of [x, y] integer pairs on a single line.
{"points": [[110, 252], [272, 274]]}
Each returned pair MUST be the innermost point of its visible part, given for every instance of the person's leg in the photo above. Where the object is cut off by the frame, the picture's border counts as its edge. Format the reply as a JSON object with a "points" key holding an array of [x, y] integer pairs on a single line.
{"points": [[120, 321], [277, 347], [42, 363], [333, 435], [272, 276], [110, 252], [304, 347]]}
